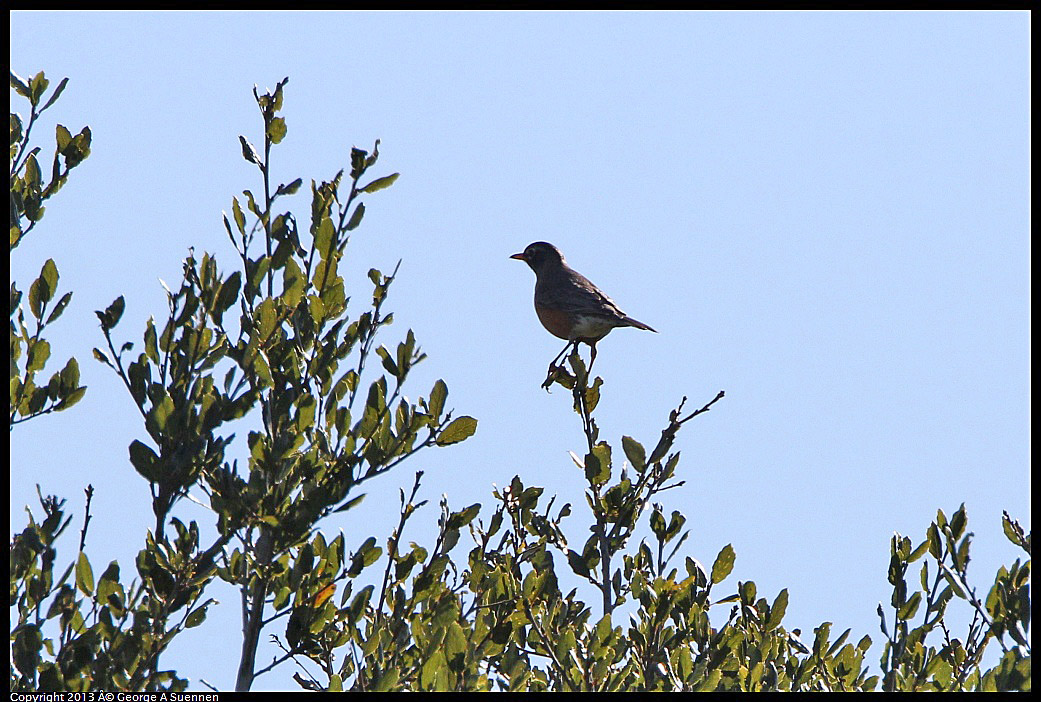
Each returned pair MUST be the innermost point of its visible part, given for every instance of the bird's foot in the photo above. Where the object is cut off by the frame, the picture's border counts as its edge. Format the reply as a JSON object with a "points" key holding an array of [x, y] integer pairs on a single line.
{"points": [[558, 374]]}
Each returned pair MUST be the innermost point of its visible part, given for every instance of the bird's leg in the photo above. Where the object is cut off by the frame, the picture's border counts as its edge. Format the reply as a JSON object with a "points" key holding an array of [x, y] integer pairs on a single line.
{"points": [[592, 356], [552, 371], [562, 354]]}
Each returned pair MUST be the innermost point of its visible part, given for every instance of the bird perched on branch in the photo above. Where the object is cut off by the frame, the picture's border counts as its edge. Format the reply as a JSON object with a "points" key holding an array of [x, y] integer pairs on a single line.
{"points": [[568, 304]]}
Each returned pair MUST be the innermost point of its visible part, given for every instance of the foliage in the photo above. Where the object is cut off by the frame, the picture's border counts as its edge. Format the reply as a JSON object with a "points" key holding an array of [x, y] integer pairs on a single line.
{"points": [[293, 362], [908, 662], [273, 348], [29, 350], [503, 621], [109, 634], [297, 357]]}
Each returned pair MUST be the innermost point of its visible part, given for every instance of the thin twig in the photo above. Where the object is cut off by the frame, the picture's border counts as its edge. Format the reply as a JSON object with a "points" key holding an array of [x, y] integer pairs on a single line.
{"points": [[86, 516]]}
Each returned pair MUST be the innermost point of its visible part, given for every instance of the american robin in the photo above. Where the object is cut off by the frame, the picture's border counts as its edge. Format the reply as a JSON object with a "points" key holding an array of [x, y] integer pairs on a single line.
{"points": [[568, 305]]}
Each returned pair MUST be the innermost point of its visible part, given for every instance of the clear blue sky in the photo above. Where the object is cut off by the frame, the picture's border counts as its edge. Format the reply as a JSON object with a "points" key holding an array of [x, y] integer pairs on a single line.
{"points": [[824, 214]]}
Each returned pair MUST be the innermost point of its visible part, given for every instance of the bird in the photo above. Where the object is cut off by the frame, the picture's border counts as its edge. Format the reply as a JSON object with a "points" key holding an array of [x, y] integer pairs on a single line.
{"points": [[568, 304]]}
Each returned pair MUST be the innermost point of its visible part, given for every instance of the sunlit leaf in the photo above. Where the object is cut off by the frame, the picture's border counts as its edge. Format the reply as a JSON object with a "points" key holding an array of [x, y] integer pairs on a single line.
{"points": [[458, 430], [84, 575], [723, 565], [379, 183], [276, 130]]}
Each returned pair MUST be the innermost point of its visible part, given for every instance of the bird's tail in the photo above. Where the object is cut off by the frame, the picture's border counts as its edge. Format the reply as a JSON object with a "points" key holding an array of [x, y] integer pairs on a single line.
{"points": [[638, 324]]}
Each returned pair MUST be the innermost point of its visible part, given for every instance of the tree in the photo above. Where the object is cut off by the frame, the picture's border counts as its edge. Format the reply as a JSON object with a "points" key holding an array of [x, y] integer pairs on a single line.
{"points": [[383, 613], [29, 191], [502, 620], [294, 356]]}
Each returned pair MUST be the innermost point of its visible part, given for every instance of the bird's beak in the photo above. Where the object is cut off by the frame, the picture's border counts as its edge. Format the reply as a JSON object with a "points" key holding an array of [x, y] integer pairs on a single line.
{"points": [[519, 257]]}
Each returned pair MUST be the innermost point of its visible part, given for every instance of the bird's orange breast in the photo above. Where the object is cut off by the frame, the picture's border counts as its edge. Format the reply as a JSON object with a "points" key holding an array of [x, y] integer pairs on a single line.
{"points": [[557, 322]]}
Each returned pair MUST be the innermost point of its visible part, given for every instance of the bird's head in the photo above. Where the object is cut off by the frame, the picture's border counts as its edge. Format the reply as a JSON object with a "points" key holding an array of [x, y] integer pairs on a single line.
{"points": [[539, 254]]}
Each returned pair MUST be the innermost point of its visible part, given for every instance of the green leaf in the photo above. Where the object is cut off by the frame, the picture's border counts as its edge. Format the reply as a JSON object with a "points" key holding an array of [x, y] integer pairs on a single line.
{"points": [[19, 85], [578, 563], [100, 355], [356, 216], [598, 464], [910, 607], [458, 430], [434, 675], [71, 399], [49, 274], [248, 152], [958, 522], [777, 611], [463, 517], [530, 497], [676, 522], [38, 86], [379, 183], [324, 238], [918, 552], [316, 308], [144, 460], [196, 618], [658, 523], [358, 164], [305, 413], [388, 362], [55, 94], [710, 682], [820, 638], [634, 451], [293, 283], [350, 504], [63, 137], [112, 314], [59, 308], [276, 130], [592, 395], [837, 644], [38, 296], [237, 213], [39, 352], [32, 179], [251, 203], [289, 188], [229, 292], [1014, 532], [367, 554], [69, 377], [935, 546], [265, 318], [455, 646], [723, 565], [160, 413], [438, 395], [388, 681], [84, 575], [74, 149], [151, 343]]}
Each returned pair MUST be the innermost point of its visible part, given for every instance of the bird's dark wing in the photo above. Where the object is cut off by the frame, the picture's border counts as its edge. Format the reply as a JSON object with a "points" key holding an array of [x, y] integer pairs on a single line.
{"points": [[576, 294]]}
